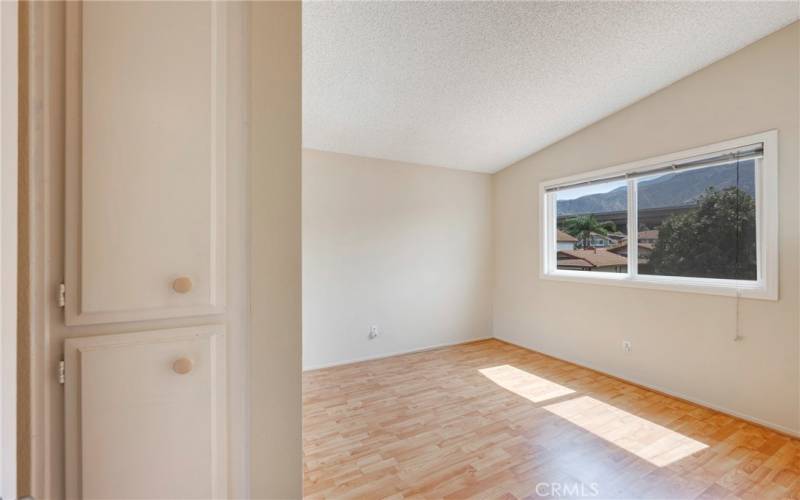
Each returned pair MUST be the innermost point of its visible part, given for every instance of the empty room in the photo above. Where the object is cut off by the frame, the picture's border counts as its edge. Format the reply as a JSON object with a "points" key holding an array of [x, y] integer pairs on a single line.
{"points": [[550, 250], [399, 249]]}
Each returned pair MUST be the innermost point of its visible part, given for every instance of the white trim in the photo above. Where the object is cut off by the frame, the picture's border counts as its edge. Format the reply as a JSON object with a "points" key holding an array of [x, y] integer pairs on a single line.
{"points": [[633, 208], [237, 253], [8, 247], [668, 392], [392, 354], [766, 285]]}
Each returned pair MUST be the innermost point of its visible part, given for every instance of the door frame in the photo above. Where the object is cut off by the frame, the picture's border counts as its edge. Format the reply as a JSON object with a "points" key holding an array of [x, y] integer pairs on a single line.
{"points": [[8, 247]]}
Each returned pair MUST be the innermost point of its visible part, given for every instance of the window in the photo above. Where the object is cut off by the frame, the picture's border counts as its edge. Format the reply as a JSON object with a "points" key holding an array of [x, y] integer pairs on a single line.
{"points": [[703, 220], [591, 220]]}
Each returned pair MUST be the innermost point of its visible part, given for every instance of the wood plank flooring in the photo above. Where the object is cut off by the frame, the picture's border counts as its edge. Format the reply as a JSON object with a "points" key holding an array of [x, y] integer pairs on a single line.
{"points": [[491, 420]]}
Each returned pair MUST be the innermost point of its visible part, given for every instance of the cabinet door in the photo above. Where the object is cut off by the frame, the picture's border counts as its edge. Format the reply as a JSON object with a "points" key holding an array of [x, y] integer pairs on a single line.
{"points": [[145, 415], [145, 149]]}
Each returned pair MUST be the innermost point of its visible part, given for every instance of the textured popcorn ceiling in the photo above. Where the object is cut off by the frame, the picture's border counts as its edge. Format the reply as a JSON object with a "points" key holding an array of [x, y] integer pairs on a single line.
{"points": [[478, 86]]}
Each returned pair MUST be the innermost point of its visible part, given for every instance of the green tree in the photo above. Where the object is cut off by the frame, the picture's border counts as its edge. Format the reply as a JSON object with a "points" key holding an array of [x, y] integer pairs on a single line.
{"points": [[715, 240], [583, 226]]}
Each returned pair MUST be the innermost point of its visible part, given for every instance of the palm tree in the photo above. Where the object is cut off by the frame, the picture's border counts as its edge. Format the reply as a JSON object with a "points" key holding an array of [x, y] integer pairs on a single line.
{"points": [[582, 227]]}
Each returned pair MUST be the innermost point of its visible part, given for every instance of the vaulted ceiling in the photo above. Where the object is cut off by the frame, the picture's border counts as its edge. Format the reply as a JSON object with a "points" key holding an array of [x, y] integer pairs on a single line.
{"points": [[478, 86]]}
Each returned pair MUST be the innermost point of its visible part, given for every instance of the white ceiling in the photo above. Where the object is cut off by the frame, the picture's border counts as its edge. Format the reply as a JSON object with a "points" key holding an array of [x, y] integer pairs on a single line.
{"points": [[478, 86]]}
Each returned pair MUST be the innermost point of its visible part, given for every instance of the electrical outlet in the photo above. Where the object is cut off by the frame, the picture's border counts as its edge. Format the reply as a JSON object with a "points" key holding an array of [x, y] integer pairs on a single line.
{"points": [[626, 346], [373, 332]]}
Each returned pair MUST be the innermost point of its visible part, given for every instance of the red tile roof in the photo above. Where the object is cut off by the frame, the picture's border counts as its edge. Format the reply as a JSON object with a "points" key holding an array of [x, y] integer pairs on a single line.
{"points": [[595, 258], [623, 247], [574, 263]]}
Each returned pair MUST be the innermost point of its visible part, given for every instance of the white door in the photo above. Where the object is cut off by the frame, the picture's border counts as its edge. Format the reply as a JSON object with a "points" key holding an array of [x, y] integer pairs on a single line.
{"points": [[145, 415], [8, 249], [145, 173]]}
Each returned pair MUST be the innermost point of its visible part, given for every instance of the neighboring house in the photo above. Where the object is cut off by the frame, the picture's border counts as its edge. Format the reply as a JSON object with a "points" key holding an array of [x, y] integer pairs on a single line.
{"points": [[645, 250], [617, 236], [596, 259], [565, 241], [597, 240], [650, 236]]}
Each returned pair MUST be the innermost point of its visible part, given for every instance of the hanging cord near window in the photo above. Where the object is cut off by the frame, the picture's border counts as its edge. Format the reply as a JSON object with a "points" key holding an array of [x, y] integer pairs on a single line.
{"points": [[737, 331]]}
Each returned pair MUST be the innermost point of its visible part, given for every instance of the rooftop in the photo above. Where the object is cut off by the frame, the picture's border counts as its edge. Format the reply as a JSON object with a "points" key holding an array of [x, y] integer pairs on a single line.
{"points": [[565, 237], [598, 257]]}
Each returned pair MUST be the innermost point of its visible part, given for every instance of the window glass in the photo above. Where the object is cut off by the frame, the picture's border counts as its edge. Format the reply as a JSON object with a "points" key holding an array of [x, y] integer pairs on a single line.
{"points": [[591, 227], [699, 223]]}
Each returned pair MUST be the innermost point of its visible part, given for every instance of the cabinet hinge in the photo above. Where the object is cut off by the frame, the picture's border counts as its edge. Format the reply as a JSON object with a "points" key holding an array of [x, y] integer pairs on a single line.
{"points": [[62, 294], [62, 372]]}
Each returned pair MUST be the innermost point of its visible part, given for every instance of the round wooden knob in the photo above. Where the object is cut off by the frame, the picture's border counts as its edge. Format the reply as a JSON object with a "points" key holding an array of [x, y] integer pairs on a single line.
{"points": [[182, 366], [182, 284]]}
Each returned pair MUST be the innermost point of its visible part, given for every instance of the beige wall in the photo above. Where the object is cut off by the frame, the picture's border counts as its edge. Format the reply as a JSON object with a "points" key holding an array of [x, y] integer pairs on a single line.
{"points": [[682, 343], [401, 246], [275, 422]]}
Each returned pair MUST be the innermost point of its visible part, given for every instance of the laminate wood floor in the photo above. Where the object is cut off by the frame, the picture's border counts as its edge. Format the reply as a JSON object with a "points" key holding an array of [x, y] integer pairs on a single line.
{"points": [[491, 420]]}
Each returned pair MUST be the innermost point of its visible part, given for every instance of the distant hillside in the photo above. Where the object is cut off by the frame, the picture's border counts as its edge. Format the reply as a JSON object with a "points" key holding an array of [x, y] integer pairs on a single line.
{"points": [[682, 188]]}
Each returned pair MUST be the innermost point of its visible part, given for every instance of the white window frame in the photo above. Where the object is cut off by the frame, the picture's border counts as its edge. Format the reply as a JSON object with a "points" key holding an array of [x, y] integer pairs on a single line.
{"points": [[766, 180]]}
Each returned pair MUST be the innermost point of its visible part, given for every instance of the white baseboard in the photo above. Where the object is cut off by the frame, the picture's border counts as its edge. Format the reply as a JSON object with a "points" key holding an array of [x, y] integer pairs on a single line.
{"points": [[733, 413], [394, 353]]}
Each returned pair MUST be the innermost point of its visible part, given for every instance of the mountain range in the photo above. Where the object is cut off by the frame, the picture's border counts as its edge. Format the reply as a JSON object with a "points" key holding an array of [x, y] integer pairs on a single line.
{"points": [[670, 190]]}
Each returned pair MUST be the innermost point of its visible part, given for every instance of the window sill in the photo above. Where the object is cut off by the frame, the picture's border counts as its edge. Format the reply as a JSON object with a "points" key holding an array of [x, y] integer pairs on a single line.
{"points": [[728, 288]]}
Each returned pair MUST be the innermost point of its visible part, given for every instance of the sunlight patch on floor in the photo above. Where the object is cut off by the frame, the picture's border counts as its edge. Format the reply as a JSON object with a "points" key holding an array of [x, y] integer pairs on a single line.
{"points": [[652, 442], [524, 384]]}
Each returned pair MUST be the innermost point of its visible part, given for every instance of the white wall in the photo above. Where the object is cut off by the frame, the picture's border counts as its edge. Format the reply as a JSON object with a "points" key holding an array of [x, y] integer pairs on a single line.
{"points": [[682, 343], [401, 246]]}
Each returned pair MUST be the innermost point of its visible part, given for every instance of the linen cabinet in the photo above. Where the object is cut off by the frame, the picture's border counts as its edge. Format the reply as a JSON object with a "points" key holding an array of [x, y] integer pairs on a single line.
{"points": [[145, 325]]}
